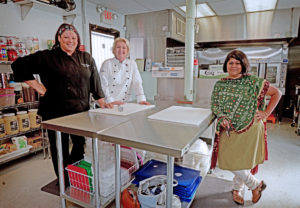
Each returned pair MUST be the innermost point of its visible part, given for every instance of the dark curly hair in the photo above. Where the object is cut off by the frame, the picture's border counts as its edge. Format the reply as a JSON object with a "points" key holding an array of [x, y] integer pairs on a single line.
{"points": [[240, 56]]}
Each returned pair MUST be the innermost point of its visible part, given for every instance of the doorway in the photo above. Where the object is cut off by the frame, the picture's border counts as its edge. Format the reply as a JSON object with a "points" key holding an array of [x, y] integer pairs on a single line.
{"points": [[102, 40]]}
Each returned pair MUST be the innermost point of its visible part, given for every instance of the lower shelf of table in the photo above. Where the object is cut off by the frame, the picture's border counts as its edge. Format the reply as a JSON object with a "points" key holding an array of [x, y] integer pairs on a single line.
{"points": [[86, 199], [79, 197]]}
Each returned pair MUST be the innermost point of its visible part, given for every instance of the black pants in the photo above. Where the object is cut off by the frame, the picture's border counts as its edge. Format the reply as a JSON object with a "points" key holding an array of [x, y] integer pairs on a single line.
{"points": [[76, 154]]}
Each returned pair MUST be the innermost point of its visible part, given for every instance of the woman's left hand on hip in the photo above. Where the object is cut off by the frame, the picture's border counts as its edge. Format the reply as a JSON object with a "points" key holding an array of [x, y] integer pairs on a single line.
{"points": [[261, 115]]}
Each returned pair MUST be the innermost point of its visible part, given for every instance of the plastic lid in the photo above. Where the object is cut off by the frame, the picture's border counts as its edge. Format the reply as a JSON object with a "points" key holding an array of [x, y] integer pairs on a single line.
{"points": [[33, 110], [21, 112], [8, 114]]}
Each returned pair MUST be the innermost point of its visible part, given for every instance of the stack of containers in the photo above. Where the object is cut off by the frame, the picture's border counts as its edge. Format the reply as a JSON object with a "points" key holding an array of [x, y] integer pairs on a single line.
{"points": [[7, 95], [188, 179], [129, 164]]}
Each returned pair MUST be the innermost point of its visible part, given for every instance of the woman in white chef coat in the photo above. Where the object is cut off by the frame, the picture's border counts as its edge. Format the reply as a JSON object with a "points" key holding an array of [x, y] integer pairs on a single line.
{"points": [[120, 75]]}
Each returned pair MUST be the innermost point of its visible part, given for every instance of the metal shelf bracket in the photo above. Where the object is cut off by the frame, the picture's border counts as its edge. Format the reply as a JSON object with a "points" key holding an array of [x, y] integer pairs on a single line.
{"points": [[69, 18], [25, 8]]}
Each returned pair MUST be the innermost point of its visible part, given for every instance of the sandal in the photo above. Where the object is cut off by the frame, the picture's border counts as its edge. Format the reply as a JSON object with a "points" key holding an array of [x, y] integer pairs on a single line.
{"points": [[256, 193], [237, 197]]}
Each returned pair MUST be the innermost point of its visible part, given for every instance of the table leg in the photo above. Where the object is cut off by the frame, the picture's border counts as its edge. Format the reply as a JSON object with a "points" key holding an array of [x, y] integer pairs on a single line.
{"points": [[43, 143], [213, 131], [96, 171], [170, 176], [60, 168], [118, 175]]}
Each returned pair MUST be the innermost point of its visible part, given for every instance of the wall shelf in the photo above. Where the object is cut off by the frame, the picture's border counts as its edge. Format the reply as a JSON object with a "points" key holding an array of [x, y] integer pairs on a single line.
{"points": [[19, 134], [29, 149], [27, 5], [14, 155], [5, 66], [26, 104]]}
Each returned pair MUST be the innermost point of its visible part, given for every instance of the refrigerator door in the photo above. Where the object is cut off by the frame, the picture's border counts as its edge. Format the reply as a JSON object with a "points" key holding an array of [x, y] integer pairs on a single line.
{"points": [[273, 73], [254, 69]]}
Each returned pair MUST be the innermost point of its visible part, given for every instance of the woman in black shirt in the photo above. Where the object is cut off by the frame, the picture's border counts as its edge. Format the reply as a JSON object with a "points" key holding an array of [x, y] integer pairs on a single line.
{"points": [[68, 78]]}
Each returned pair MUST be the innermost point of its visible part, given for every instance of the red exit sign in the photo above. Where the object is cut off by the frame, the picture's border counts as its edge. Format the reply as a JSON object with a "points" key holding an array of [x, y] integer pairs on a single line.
{"points": [[107, 15]]}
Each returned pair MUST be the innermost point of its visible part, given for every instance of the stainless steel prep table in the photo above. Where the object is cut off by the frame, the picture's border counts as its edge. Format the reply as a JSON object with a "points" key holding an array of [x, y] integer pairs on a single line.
{"points": [[136, 130]]}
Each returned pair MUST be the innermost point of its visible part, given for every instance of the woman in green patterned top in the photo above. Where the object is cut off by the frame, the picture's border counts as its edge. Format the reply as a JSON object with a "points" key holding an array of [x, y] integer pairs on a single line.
{"points": [[240, 144]]}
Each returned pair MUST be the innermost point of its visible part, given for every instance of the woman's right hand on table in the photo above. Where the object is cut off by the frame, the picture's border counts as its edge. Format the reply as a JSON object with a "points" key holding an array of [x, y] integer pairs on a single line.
{"points": [[117, 103], [103, 104]]}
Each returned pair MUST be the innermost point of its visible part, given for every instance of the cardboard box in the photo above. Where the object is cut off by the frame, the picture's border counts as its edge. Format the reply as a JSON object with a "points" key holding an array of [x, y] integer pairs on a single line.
{"points": [[168, 72], [35, 142], [208, 74]]}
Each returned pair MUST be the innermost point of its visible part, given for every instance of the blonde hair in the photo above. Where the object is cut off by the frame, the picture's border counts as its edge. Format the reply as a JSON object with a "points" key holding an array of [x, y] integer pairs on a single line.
{"points": [[124, 40]]}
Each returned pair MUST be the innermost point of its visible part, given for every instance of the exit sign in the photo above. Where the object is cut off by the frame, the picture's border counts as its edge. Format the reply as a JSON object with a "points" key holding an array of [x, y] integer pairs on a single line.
{"points": [[106, 17]]}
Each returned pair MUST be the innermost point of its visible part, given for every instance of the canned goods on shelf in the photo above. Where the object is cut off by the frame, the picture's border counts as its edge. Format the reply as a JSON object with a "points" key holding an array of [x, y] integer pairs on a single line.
{"points": [[3, 53]]}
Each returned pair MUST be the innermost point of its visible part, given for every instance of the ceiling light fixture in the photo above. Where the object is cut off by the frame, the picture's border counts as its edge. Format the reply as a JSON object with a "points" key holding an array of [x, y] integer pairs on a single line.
{"points": [[100, 9], [202, 10], [114, 16], [259, 5]]}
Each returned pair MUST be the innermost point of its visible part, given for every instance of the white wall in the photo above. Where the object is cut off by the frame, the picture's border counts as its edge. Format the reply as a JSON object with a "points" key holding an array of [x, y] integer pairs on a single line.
{"points": [[43, 22]]}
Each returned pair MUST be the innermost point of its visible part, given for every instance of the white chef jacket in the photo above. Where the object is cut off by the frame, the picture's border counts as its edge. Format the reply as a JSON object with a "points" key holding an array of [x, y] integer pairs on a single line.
{"points": [[118, 80]]}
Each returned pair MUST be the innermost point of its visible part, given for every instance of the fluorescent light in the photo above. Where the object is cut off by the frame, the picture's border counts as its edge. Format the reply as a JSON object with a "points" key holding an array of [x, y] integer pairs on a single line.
{"points": [[203, 10], [259, 5], [183, 8]]}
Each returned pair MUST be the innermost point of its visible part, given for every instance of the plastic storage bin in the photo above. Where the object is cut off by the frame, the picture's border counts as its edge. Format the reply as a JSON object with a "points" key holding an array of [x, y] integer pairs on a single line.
{"points": [[4, 91], [34, 118], [23, 121], [11, 123], [7, 99], [188, 179]]}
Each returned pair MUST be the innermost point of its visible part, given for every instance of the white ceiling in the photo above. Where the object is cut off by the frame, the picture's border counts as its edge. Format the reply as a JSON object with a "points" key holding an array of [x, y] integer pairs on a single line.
{"points": [[221, 7]]}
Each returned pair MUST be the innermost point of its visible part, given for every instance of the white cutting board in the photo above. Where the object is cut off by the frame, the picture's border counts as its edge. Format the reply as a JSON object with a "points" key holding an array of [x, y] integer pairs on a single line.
{"points": [[128, 108], [184, 115]]}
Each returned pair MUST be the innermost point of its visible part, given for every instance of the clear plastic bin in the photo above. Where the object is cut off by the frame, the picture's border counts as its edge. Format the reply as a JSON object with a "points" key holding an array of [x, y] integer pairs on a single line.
{"points": [[7, 99], [79, 179]]}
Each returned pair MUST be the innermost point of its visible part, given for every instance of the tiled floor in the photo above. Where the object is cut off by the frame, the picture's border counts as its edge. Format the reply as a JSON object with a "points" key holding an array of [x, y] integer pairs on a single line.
{"points": [[21, 180]]}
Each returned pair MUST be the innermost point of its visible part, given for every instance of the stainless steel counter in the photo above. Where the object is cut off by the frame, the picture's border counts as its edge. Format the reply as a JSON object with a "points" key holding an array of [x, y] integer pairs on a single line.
{"points": [[135, 130], [167, 138], [84, 124]]}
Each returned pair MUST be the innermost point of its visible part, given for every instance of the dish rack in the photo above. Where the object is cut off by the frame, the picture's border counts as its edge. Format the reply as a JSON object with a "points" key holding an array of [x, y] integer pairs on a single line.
{"points": [[82, 179]]}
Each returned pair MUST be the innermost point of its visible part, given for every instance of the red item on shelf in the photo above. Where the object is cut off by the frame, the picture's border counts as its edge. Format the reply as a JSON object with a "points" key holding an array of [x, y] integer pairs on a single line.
{"points": [[12, 54], [78, 177]]}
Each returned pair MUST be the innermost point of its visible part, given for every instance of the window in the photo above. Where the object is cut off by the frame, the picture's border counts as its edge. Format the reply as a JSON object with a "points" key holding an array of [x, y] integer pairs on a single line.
{"points": [[102, 40], [101, 47]]}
